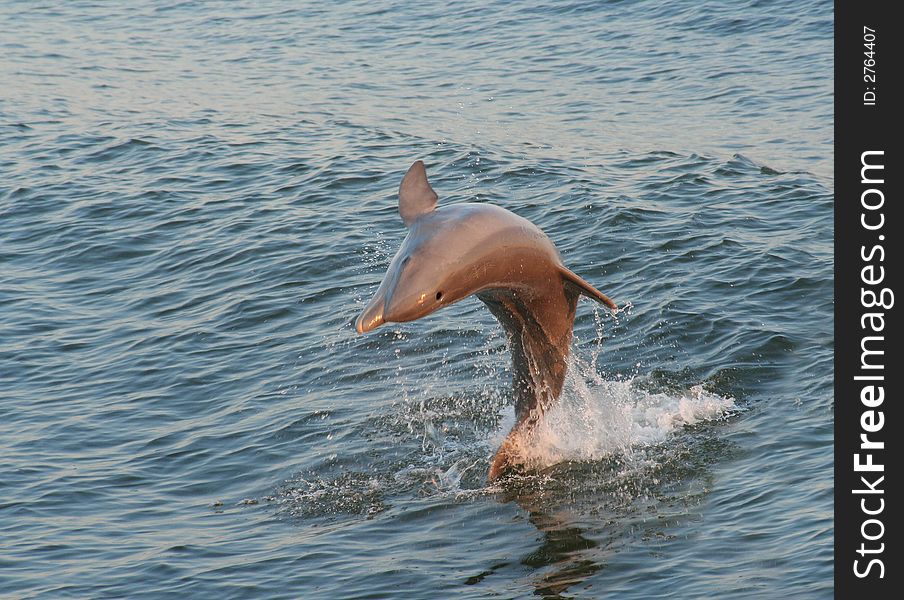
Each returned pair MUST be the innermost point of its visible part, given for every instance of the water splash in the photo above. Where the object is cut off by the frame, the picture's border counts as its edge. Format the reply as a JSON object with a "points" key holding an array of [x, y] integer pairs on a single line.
{"points": [[595, 419]]}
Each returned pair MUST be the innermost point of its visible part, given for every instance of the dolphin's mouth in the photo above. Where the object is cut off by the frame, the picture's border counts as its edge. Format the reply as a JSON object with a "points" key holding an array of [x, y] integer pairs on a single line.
{"points": [[372, 316], [387, 308], [381, 307]]}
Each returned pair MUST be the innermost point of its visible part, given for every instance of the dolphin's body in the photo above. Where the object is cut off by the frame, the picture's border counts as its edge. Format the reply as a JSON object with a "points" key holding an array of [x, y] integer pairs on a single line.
{"points": [[463, 249]]}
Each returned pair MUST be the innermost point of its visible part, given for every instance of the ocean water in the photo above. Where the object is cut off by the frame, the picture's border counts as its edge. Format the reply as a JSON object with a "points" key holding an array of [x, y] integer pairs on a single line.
{"points": [[197, 199]]}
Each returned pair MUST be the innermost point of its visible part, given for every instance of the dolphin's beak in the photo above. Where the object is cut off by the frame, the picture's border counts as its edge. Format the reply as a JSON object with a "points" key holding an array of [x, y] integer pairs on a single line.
{"points": [[375, 313], [372, 316]]}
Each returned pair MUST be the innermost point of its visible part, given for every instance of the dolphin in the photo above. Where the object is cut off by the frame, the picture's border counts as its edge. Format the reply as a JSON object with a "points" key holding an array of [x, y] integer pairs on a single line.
{"points": [[455, 251]]}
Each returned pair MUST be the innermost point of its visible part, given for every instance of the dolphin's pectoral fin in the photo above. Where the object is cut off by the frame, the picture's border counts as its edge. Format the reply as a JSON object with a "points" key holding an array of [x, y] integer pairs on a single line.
{"points": [[582, 287], [416, 197]]}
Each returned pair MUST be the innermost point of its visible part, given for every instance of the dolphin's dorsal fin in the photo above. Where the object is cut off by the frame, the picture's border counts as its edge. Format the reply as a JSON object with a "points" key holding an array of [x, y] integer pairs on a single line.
{"points": [[585, 288], [416, 197]]}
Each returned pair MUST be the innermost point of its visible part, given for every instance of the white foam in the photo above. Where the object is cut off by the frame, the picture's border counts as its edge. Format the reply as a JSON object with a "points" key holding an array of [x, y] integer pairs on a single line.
{"points": [[603, 418]]}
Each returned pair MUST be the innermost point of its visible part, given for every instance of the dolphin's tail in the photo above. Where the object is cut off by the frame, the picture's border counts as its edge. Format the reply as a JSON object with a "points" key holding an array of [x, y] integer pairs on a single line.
{"points": [[508, 458]]}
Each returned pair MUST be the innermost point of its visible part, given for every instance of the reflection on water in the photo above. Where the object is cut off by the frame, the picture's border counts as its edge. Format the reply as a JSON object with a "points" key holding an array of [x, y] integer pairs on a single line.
{"points": [[566, 556], [585, 512]]}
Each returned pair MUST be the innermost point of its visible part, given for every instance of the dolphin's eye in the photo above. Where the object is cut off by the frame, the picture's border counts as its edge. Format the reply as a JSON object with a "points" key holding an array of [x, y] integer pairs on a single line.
{"points": [[439, 296]]}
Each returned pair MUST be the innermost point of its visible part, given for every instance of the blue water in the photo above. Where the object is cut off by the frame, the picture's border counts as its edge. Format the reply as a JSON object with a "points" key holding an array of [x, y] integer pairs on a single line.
{"points": [[196, 200]]}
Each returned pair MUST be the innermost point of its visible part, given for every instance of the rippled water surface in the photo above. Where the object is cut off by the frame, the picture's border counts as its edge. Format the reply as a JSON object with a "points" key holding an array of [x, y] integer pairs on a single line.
{"points": [[196, 199]]}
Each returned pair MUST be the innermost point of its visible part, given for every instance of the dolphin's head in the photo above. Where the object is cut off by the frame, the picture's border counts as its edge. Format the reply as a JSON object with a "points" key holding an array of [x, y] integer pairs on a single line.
{"points": [[415, 285], [430, 269]]}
